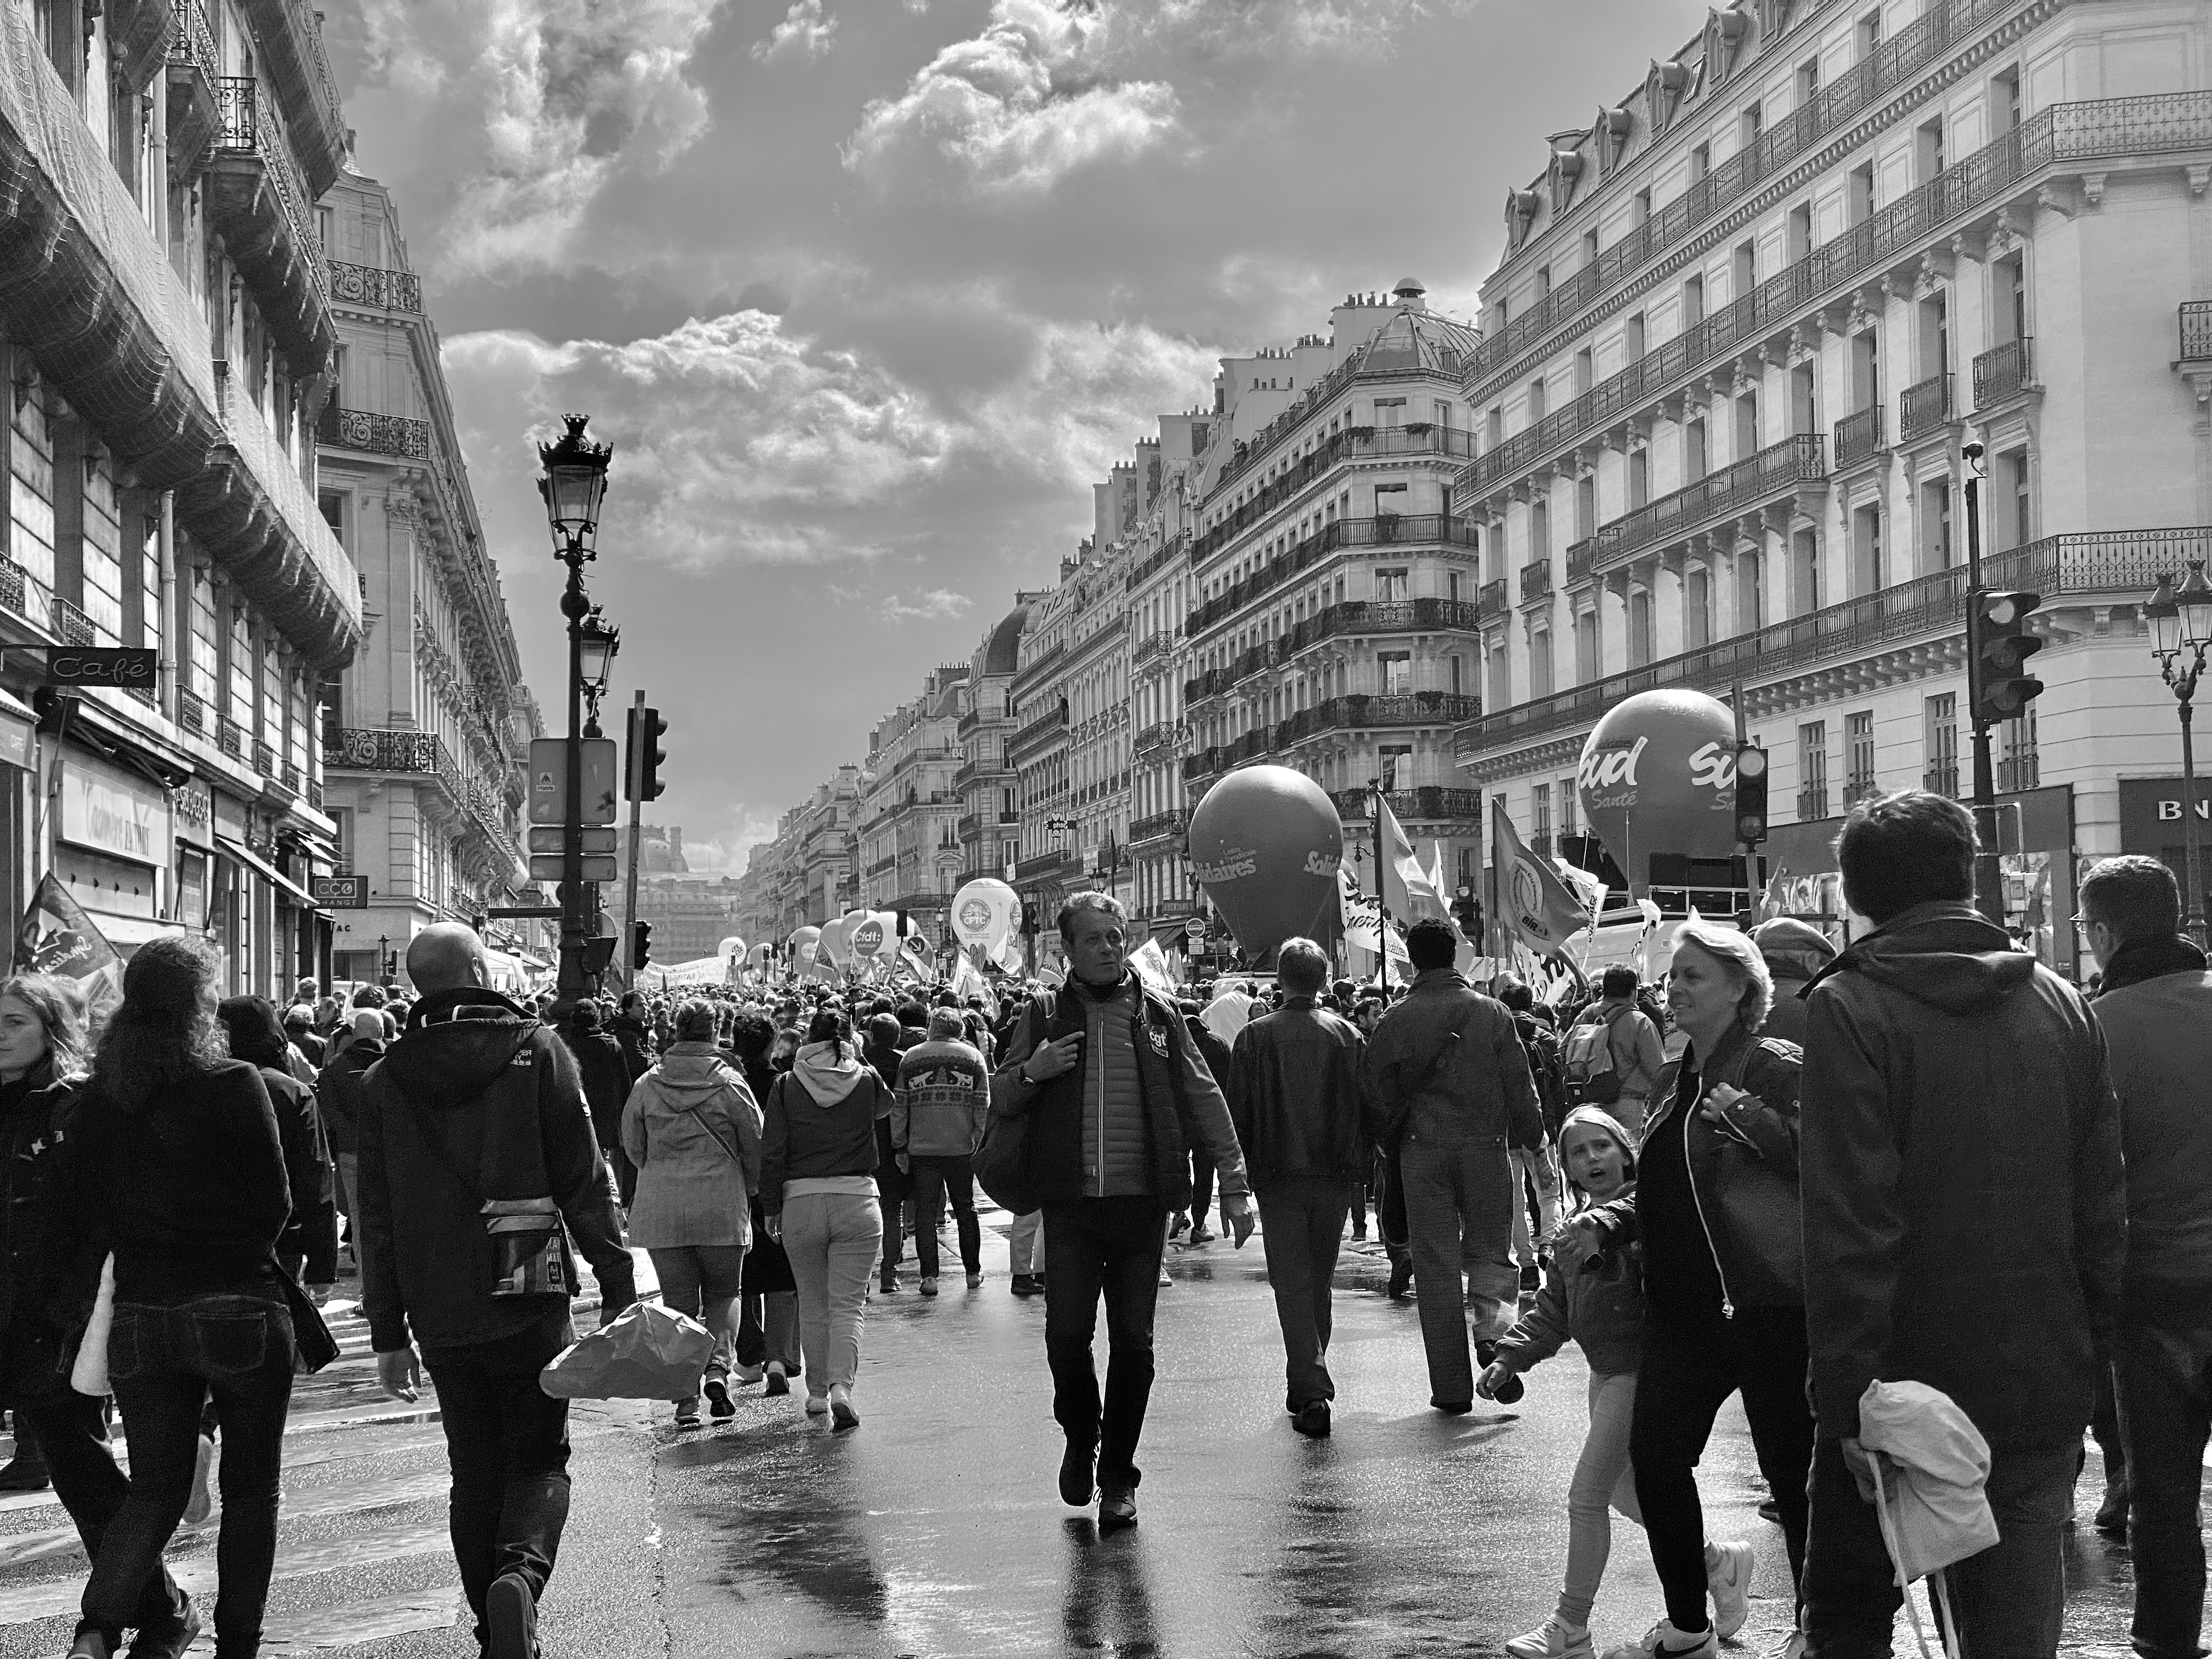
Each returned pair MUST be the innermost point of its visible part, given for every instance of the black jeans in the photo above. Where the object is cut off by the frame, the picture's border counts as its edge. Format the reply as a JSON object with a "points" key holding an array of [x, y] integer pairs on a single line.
{"points": [[1110, 1247], [1687, 1375], [73, 1437], [2165, 1371], [163, 1363], [935, 1180], [506, 1442], [1302, 1226]]}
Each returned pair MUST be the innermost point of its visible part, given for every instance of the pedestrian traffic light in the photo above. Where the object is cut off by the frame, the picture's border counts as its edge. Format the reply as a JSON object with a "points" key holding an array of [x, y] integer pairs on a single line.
{"points": [[641, 944], [1998, 646], [1750, 794], [646, 729], [1466, 911]]}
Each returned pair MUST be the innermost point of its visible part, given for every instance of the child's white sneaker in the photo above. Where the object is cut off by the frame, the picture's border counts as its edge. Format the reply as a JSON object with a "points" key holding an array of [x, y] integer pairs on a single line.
{"points": [[1554, 1638], [1728, 1578], [1663, 1641]]}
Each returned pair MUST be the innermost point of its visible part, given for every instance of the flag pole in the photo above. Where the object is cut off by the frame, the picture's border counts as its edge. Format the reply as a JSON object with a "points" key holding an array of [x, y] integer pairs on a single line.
{"points": [[1381, 889]]}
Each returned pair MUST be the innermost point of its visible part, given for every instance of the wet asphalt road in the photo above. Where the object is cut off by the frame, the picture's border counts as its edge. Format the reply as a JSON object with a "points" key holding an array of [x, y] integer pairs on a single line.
{"points": [[934, 1529]]}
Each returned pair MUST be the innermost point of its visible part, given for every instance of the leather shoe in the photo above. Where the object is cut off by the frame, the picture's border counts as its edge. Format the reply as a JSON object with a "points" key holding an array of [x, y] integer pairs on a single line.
{"points": [[1078, 1480], [1453, 1407], [170, 1641], [1401, 1279], [1117, 1503], [511, 1613], [1025, 1284], [1312, 1420], [25, 1474]]}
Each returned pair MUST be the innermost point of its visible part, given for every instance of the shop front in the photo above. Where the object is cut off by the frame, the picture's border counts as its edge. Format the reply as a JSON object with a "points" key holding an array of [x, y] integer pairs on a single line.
{"points": [[112, 836]]}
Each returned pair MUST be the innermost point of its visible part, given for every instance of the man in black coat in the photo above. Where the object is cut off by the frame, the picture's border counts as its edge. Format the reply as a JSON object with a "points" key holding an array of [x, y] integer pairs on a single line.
{"points": [[607, 1080]]}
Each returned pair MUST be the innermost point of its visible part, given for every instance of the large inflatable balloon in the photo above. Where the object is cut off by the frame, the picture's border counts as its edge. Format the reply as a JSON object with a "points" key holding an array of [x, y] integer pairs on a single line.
{"points": [[987, 913], [871, 935], [1658, 777], [729, 948], [806, 944], [1266, 843]]}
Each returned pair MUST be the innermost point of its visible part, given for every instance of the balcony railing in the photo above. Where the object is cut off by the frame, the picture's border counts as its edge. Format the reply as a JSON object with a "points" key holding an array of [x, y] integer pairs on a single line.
{"points": [[1154, 644], [2019, 772], [1860, 786], [2064, 132], [1158, 559], [1779, 470], [1812, 803], [1924, 408], [1859, 437], [381, 434], [1408, 529], [2004, 372], [1491, 595], [1158, 732], [193, 42], [191, 712], [1354, 443], [1940, 779], [1416, 438], [1157, 826], [369, 285], [1352, 618], [1905, 54], [2123, 561], [1535, 580], [362, 749], [250, 127], [1052, 720], [72, 626], [2195, 331], [1360, 714], [265, 759], [1430, 804], [229, 738]]}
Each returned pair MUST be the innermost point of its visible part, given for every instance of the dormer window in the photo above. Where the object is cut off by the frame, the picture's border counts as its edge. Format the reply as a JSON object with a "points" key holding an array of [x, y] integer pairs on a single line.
{"points": [[1609, 137], [1664, 88], [1726, 34], [1565, 172], [1520, 210]]}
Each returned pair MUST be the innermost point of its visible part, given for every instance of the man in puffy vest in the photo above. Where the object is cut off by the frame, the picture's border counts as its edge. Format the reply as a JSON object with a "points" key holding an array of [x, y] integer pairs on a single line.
{"points": [[1115, 1096]]}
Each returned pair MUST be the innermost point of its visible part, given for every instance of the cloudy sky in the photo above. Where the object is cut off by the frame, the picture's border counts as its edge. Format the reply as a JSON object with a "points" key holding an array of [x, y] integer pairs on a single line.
{"points": [[866, 292]]}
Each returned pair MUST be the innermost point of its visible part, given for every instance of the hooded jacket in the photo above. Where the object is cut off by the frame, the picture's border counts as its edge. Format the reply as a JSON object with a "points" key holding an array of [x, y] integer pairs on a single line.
{"points": [[821, 1121], [445, 1128], [606, 1076], [693, 1130], [1600, 1309], [1964, 1217]]}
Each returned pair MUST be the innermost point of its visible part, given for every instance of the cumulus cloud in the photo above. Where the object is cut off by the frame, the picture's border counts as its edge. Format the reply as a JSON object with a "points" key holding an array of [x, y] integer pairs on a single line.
{"points": [[541, 104], [805, 31], [931, 604], [1016, 109]]}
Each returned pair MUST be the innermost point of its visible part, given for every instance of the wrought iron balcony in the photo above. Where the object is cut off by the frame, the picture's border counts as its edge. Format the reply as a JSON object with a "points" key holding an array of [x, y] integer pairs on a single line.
{"points": [[2197, 331], [229, 737], [290, 36], [1535, 580], [369, 285], [368, 749], [1812, 803], [261, 209], [193, 65], [1924, 408], [2003, 373], [1940, 779], [191, 712], [380, 435], [1053, 720], [1361, 713], [1406, 529], [1777, 470], [1158, 559], [1353, 443], [1859, 437], [265, 759], [1158, 826], [1152, 736], [2019, 772], [72, 626], [1429, 804], [1491, 595]]}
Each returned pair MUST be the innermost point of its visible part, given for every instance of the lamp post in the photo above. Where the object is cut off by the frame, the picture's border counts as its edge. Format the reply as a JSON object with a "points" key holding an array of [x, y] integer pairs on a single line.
{"points": [[599, 639], [2180, 630], [573, 485]]}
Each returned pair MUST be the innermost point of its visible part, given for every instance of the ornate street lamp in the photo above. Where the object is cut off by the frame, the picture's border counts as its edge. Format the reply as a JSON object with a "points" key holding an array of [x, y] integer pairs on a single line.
{"points": [[573, 485], [597, 640], [2180, 621]]}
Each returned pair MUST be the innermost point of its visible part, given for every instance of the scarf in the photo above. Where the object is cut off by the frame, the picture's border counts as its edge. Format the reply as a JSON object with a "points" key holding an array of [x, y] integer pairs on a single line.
{"points": [[829, 1073], [2148, 959]]}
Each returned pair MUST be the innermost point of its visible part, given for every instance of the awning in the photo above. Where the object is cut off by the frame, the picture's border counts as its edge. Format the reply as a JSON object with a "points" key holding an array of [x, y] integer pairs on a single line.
{"points": [[128, 932], [283, 883]]}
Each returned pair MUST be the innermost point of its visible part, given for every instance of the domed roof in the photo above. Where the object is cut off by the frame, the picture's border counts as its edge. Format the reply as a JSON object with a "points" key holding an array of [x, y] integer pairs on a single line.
{"points": [[1420, 340], [1003, 654]]}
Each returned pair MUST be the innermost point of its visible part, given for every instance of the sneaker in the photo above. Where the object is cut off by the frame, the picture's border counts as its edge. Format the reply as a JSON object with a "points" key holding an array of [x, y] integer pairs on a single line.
{"points": [[511, 1616], [1166, 1278], [168, 1641], [1117, 1502], [1553, 1640], [929, 1286], [818, 1405], [1079, 1475], [687, 1414], [775, 1382], [1202, 1233], [1663, 1641], [1025, 1284], [1791, 1646], [717, 1391], [201, 1504], [1177, 1223], [745, 1375], [842, 1414], [976, 1281], [1728, 1578]]}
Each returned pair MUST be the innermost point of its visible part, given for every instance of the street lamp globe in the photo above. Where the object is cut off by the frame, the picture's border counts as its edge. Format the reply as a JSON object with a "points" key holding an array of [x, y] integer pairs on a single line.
{"points": [[597, 639], [574, 483], [2163, 616], [2195, 598]]}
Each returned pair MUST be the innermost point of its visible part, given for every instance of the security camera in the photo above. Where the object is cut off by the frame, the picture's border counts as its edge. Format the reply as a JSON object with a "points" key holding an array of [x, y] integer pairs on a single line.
{"points": [[1973, 452]]}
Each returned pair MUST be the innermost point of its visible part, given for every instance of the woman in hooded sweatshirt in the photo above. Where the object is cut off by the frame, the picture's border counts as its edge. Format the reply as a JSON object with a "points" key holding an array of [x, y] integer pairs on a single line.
{"points": [[693, 1132], [819, 1192]]}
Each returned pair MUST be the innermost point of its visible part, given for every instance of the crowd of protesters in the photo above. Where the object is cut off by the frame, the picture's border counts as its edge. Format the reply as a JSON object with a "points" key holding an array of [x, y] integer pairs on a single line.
{"points": [[1809, 1176]]}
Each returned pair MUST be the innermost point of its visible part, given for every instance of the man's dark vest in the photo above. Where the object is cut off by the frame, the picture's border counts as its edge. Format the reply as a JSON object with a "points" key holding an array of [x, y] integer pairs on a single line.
{"points": [[1054, 1142]]}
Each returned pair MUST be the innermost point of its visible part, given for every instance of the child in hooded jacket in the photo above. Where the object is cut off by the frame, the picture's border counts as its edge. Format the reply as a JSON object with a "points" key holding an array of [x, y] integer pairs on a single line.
{"points": [[1598, 1302]]}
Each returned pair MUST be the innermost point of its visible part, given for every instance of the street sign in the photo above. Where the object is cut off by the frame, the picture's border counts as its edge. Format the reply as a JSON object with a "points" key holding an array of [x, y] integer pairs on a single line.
{"points": [[548, 780], [1194, 930], [341, 893], [546, 838], [117, 666], [546, 867]]}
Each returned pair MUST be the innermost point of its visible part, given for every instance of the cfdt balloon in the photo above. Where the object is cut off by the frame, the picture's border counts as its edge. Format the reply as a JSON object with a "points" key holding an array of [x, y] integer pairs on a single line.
{"points": [[1658, 777], [1266, 843], [986, 912], [864, 938], [806, 942], [729, 948]]}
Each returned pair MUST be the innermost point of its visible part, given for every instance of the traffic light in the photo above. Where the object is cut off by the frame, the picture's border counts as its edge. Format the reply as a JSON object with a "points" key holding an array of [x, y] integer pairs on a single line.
{"points": [[1750, 794], [1466, 911], [641, 944], [1998, 646], [646, 729]]}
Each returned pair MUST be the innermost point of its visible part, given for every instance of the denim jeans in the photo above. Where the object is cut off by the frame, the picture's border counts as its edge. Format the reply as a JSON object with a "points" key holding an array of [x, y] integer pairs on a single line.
{"points": [[1686, 1376], [1025, 1244], [702, 1281], [768, 1328], [1302, 1226], [73, 1438], [1109, 1247], [833, 1240], [1535, 1166], [2010, 1599], [2164, 1369], [935, 1180], [163, 1363], [507, 1444], [1603, 1482], [1460, 1197]]}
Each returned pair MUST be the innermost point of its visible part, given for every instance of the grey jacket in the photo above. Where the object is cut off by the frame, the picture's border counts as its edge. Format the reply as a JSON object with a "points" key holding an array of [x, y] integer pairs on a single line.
{"points": [[1481, 1088], [684, 1119]]}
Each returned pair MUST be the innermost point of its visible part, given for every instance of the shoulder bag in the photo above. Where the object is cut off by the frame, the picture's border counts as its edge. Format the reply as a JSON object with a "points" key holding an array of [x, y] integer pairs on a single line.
{"points": [[1390, 1124], [529, 1244], [1760, 1205]]}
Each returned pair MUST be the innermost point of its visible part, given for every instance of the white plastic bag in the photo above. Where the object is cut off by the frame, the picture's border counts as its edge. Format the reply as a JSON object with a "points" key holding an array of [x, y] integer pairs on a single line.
{"points": [[89, 1375], [647, 1352]]}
